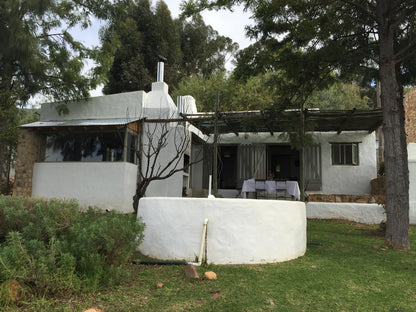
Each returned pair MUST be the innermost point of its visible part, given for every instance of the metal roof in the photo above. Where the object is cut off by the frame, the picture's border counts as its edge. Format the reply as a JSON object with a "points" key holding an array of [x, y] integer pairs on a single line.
{"points": [[316, 120], [81, 122]]}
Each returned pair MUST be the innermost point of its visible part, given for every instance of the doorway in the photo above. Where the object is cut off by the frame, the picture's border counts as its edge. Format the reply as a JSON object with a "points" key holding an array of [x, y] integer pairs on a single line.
{"points": [[283, 162], [227, 167]]}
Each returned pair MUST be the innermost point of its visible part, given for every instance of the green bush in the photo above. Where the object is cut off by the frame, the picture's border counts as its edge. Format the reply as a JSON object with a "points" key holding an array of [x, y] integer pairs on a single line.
{"points": [[54, 248]]}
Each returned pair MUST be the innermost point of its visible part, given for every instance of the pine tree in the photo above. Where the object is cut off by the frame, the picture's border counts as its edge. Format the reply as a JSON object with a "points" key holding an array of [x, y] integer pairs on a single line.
{"points": [[39, 56], [315, 43]]}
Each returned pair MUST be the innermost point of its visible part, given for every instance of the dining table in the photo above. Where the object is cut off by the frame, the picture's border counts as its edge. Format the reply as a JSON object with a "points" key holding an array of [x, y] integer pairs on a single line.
{"points": [[270, 187]]}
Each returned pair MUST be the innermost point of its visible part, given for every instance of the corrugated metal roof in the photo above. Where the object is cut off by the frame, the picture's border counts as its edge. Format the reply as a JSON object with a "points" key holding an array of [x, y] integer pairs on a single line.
{"points": [[81, 122]]}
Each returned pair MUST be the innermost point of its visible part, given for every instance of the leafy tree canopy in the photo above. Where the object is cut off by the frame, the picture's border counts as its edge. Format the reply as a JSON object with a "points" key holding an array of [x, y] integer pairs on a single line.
{"points": [[233, 95], [38, 55], [256, 93], [339, 96], [132, 41]]}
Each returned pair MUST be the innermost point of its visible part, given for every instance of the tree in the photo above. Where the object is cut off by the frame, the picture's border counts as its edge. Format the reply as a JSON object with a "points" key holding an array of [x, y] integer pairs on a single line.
{"points": [[316, 43], [234, 95], [339, 96], [205, 52], [256, 93], [139, 33], [39, 56], [160, 154]]}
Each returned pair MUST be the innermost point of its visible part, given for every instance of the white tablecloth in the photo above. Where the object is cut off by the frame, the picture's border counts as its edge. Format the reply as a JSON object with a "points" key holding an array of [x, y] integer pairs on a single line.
{"points": [[251, 185]]}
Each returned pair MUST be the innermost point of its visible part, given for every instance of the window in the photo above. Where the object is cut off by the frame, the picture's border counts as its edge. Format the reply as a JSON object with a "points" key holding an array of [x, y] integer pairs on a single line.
{"points": [[344, 153], [131, 148], [84, 146]]}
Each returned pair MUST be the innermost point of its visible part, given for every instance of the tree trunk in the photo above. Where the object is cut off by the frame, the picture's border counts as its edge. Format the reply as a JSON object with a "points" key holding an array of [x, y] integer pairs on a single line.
{"points": [[3, 146], [140, 192], [395, 150]]}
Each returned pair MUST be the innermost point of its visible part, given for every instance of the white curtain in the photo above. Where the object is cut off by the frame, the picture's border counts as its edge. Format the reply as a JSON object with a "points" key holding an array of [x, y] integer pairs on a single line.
{"points": [[251, 162]]}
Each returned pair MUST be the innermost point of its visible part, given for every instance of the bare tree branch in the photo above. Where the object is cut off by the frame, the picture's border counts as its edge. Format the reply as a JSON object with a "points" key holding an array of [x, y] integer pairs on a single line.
{"points": [[160, 138]]}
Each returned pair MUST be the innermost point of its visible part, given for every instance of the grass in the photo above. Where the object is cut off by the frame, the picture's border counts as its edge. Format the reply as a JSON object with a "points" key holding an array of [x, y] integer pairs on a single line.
{"points": [[348, 268]]}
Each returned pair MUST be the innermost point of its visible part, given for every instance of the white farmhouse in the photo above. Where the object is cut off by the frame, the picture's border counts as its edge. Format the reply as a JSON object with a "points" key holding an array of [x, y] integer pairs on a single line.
{"points": [[90, 152]]}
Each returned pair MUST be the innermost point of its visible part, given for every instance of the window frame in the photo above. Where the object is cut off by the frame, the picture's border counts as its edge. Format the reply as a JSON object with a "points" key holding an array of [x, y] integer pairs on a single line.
{"points": [[345, 153], [125, 136]]}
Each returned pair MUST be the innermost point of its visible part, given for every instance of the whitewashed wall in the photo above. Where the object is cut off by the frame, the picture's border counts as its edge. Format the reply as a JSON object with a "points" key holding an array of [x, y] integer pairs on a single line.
{"points": [[122, 105], [239, 230], [158, 103], [353, 180], [411, 151], [108, 185], [344, 179], [172, 186], [362, 213]]}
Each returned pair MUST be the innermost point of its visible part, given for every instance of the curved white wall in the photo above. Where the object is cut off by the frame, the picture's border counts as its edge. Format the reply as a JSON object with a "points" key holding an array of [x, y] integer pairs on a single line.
{"points": [[411, 152], [107, 185], [240, 231]]}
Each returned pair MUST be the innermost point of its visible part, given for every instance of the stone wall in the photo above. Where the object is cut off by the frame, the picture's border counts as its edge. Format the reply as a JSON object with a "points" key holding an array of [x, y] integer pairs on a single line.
{"points": [[409, 103], [346, 198], [27, 155], [378, 186]]}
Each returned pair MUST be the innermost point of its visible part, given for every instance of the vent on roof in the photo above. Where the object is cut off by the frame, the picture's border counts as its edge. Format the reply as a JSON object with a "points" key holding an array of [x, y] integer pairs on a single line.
{"points": [[160, 67], [160, 71]]}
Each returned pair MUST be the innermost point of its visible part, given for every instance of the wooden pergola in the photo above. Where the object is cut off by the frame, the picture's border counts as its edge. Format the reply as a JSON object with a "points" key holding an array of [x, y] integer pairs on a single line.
{"points": [[259, 121]]}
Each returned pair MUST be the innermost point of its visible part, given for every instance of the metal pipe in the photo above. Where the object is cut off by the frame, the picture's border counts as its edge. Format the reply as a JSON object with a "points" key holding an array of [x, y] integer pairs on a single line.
{"points": [[204, 233], [159, 262], [175, 262], [160, 71]]}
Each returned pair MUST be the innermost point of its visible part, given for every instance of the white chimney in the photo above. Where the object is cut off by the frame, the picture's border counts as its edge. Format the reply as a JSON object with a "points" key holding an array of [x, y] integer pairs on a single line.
{"points": [[179, 105], [160, 71]]}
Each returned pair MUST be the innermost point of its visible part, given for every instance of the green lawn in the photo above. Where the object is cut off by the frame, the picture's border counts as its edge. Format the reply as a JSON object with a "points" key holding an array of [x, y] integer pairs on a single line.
{"points": [[347, 268]]}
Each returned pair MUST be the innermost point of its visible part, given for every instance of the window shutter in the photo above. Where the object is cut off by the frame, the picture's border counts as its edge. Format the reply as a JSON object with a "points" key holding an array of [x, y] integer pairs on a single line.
{"points": [[313, 168]]}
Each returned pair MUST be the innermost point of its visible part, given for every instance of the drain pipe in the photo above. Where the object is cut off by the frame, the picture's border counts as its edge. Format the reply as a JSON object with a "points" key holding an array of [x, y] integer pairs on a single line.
{"points": [[209, 188], [174, 262], [201, 251]]}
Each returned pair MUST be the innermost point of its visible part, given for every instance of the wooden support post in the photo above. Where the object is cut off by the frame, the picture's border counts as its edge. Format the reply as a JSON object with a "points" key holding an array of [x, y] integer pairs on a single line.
{"points": [[215, 152], [302, 154]]}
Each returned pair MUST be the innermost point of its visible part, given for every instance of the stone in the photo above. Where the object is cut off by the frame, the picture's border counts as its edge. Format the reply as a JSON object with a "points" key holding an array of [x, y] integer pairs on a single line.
{"points": [[210, 275], [93, 310], [12, 290], [216, 295], [190, 271]]}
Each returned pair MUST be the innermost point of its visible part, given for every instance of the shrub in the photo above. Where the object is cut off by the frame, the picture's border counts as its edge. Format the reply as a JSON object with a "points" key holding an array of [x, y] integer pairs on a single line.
{"points": [[54, 248]]}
